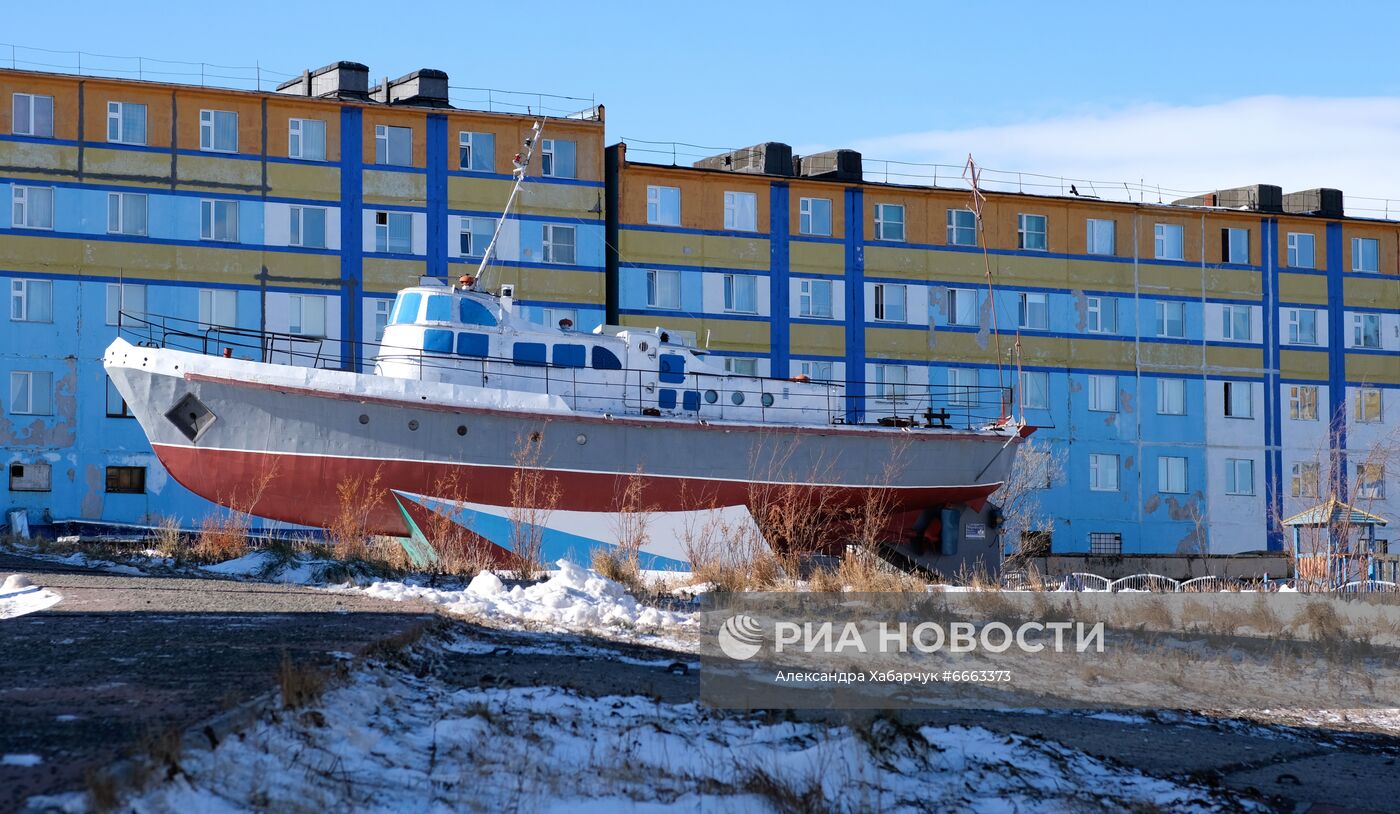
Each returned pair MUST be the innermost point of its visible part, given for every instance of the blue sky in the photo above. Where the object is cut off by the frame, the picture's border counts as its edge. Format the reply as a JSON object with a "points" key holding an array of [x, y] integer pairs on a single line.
{"points": [[918, 81]]}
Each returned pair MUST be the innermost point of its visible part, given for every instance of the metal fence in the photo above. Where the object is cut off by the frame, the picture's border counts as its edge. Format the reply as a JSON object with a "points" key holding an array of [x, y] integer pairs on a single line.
{"points": [[1156, 583]]}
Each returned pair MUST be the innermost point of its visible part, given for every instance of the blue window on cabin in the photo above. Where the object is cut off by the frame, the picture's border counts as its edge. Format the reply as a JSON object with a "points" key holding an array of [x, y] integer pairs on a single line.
{"points": [[472, 344], [406, 311], [690, 400], [672, 368], [474, 313], [604, 359], [528, 353], [439, 308], [666, 398], [437, 341], [569, 355]]}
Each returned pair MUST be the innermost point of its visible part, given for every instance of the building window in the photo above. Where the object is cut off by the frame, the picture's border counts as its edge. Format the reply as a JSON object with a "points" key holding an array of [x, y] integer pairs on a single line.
{"points": [[1031, 233], [31, 392], [31, 477], [306, 139], [741, 293], [393, 146], [476, 151], [218, 307], [741, 211], [891, 382], [1171, 475], [736, 366], [1103, 393], [127, 299], [474, 236], [1302, 326], [560, 244], [1370, 481], [1234, 246], [1300, 250], [962, 387], [557, 158], [663, 289], [126, 213], [393, 232], [814, 216], [1304, 480], [126, 480], [1105, 544], [552, 316], [664, 206], [32, 115], [218, 220], [1171, 397], [126, 123], [1171, 319], [962, 306], [889, 221], [962, 227], [116, 405], [1239, 476], [308, 227], [1239, 399], [1368, 405], [1168, 243], [817, 371], [1099, 236], [814, 299], [1365, 254], [31, 301], [1365, 330], [308, 314], [1302, 402], [889, 302], [1103, 472], [1101, 315], [33, 207], [1035, 390], [381, 318], [1235, 323], [218, 131], [1031, 311]]}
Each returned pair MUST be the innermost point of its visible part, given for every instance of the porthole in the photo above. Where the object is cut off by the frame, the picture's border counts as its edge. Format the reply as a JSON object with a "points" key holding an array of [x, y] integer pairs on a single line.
{"points": [[642, 346], [581, 439], [767, 399], [711, 397], [461, 429], [364, 419], [736, 397], [413, 424]]}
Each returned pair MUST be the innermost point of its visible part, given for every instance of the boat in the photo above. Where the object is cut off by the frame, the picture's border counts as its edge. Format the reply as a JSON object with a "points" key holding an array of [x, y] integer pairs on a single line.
{"points": [[515, 430]]}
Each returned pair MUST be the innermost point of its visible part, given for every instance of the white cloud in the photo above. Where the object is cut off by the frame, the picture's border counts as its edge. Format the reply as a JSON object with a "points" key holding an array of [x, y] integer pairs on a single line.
{"points": [[1294, 142]]}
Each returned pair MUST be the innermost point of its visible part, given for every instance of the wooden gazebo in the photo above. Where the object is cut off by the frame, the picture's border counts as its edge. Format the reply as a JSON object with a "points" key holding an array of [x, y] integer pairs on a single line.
{"points": [[1340, 561]]}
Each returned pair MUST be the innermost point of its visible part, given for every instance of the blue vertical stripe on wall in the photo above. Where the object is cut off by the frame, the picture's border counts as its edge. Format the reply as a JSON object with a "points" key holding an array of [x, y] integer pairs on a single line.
{"points": [[437, 195], [855, 305], [779, 296], [1337, 358], [351, 228], [1273, 396]]}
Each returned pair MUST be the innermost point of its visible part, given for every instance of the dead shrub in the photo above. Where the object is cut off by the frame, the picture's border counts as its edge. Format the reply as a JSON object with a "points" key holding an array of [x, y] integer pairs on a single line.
{"points": [[534, 494], [349, 531], [301, 684]]}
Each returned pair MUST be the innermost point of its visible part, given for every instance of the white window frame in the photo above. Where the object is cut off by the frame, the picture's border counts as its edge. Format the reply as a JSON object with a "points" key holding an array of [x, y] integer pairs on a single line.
{"points": [[547, 158], [384, 139], [208, 219], [551, 315], [1230, 323], [1370, 480], [1101, 315], [1168, 241], [116, 121], [297, 226], [296, 314], [741, 366], [1297, 323], [383, 232], [654, 289], [1103, 472], [1094, 237], [209, 131], [1302, 402], [554, 245], [1172, 475], [962, 234], [807, 298], [891, 388], [296, 129], [32, 119], [1358, 262], [817, 370], [962, 387], [1103, 393], [21, 296], [467, 226], [26, 383], [1305, 478], [1230, 245], [129, 298], [1024, 230], [955, 297], [22, 207], [1360, 333], [884, 222], [1237, 399], [119, 206], [732, 284], [1163, 323], [1295, 250], [218, 307], [656, 204], [734, 212], [1041, 390], [1171, 396], [884, 302], [1025, 300], [1365, 397], [1233, 468], [466, 140], [807, 216], [381, 318]]}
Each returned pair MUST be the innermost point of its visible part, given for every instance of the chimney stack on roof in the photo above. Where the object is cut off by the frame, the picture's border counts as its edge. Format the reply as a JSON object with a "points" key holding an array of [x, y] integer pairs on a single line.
{"points": [[1321, 201], [768, 158], [834, 165], [425, 87], [1254, 198], [338, 80]]}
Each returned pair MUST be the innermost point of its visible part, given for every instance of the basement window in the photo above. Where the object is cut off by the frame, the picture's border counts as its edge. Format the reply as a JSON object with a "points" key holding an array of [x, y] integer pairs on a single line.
{"points": [[1105, 543], [30, 477], [126, 480]]}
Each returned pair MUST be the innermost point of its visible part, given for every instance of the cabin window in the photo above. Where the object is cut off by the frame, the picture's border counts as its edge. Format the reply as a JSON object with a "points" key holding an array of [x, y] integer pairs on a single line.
{"points": [[439, 308], [437, 341], [528, 353], [406, 310], [472, 312], [604, 359], [472, 344], [569, 355]]}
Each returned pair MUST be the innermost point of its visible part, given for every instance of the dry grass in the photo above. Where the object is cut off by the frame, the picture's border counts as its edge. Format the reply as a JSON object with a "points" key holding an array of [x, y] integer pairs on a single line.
{"points": [[301, 684], [225, 536], [349, 531], [170, 541], [863, 572], [459, 552], [534, 494]]}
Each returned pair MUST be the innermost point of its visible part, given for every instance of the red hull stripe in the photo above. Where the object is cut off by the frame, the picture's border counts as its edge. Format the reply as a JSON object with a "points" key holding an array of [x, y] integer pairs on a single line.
{"points": [[316, 490]]}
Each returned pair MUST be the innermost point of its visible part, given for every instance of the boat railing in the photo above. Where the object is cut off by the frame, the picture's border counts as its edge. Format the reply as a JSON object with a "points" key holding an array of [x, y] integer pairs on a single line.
{"points": [[156, 330]]}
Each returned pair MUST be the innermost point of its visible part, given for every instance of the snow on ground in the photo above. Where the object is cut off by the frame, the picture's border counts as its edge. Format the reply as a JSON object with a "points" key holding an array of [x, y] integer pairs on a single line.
{"points": [[18, 597], [81, 560], [388, 741], [270, 567], [573, 598]]}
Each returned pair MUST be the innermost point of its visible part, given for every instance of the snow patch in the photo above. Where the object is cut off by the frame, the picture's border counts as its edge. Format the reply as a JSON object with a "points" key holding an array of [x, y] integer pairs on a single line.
{"points": [[19, 596], [270, 567], [20, 760]]}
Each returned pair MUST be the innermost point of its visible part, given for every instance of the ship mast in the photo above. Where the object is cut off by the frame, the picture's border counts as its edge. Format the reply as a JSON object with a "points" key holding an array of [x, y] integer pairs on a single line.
{"points": [[522, 163]]}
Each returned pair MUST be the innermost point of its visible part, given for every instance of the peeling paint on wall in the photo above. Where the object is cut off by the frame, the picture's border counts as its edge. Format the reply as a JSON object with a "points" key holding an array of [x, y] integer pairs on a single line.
{"points": [[96, 491], [58, 430]]}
